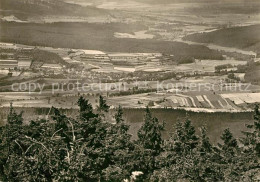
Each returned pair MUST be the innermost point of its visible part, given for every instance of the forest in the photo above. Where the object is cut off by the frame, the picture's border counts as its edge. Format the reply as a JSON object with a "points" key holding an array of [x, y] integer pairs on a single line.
{"points": [[244, 37], [97, 36], [24, 9], [88, 148]]}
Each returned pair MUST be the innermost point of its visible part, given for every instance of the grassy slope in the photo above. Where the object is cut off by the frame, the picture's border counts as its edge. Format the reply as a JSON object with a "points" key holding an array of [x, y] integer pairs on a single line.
{"points": [[96, 36], [247, 38]]}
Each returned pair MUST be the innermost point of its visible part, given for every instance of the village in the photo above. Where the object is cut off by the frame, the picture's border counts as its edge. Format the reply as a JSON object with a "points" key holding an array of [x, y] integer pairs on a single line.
{"points": [[153, 79]]}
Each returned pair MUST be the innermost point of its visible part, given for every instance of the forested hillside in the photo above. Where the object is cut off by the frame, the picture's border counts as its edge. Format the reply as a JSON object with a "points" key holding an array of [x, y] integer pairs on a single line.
{"points": [[246, 37], [253, 73], [26, 8], [96, 36], [87, 148]]}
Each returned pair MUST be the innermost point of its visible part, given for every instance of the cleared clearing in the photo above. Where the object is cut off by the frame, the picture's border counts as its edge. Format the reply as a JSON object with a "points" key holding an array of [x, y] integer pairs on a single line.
{"points": [[240, 98]]}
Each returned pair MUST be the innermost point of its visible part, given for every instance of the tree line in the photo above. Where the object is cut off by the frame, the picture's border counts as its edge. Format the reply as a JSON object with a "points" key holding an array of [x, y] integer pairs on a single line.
{"points": [[89, 148]]}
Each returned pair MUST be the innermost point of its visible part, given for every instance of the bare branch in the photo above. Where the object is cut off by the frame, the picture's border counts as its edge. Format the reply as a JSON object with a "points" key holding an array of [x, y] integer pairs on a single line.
{"points": [[34, 141], [55, 133], [19, 145]]}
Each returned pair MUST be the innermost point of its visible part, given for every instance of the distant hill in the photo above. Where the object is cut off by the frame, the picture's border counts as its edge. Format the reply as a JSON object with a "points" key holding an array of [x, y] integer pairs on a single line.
{"points": [[192, 1], [246, 37], [205, 7], [96, 36], [26, 8], [158, 1]]}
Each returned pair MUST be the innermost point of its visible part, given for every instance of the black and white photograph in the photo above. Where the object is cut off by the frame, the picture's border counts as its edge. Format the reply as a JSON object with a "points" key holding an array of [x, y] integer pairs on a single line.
{"points": [[129, 90]]}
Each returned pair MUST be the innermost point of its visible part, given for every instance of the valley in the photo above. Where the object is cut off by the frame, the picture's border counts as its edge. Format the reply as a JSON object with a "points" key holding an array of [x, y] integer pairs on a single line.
{"points": [[129, 90], [197, 57]]}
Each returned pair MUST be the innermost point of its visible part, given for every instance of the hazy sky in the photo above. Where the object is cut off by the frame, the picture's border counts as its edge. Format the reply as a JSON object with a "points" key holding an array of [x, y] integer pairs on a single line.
{"points": [[160, 1]]}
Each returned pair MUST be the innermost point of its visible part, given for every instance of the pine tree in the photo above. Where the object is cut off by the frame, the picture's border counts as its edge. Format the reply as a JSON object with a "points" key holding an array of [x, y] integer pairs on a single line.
{"points": [[119, 115], [250, 158], [85, 110], [207, 166], [90, 148], [205, 146], [180, 151], [230, 156], [13, 118], [93, 132], [251, 141], [11, 134], [230, 145], [119, 149], [149, 135], [149, 143], [103, 107], [184, 138]]}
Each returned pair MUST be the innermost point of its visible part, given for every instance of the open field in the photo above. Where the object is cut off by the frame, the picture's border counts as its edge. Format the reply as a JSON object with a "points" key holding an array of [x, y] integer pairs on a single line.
{"points": [[192, 95], [206, 65], [155, 66], [197, 103], [136, 35], [243, 98], [193, 86]]}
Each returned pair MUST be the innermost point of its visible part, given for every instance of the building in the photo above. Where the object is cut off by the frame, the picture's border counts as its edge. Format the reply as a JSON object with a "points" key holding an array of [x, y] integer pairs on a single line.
{"points": [[23, 57], [95, 57], [24, 63], [7, 55], [27, 49], [125, 68], [93, 52], [257, 60], [126, 56], [133, 56], [52, 66], [7, 45]]}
